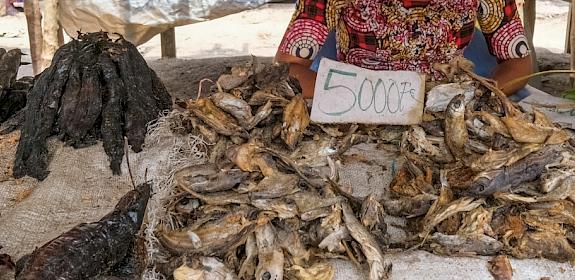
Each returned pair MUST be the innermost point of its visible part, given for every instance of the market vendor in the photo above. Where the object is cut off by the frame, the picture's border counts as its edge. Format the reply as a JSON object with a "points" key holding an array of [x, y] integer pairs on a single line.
{"points": [[406, 35]]}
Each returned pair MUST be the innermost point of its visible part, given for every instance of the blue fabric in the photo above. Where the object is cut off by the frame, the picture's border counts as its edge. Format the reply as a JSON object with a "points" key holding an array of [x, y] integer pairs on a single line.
{"points": [[477, 52], [328, 50]]}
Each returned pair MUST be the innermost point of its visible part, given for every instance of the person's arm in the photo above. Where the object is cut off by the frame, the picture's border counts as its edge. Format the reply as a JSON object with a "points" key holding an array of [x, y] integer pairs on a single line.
{"points": [[511, 69], [506, 40], [303, 39]]}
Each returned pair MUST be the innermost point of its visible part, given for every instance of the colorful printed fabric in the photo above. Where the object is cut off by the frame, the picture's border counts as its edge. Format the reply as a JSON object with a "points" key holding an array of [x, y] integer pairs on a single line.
{"points": [[404, 34]]}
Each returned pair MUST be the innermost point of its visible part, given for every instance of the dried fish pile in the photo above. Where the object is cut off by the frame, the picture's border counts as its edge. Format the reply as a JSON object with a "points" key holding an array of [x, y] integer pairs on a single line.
{"points": [[96, 89], [478, 179], [12, 92]]}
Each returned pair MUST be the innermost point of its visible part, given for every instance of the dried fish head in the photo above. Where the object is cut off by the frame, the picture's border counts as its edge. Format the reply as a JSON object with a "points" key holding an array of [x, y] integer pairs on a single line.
{"points": [[262, 113], [248, 267], [291, 242], [550, 180], [422, 146], [206, 110], [262, 97], [207, 178], [495, 123], [209, 134], [544, 244], [455, 128], [236, 107], [248, 158], [276, 185], [318, 271], [379, 266], [524, 131], [284, 208], [409, 207], [314, 153], [476, 244], [270, 256], [186, 205], [333, 242], [295, 121], [372, 214], [206, 268], [477, 222], [185, 272], [464, 204], [213, 238]]}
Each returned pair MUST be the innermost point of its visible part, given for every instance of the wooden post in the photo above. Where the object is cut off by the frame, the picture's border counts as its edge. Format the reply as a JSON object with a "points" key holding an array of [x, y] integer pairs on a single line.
{"points": [[168, 42], [60, 36], [50, 32], [34, 22], [572, 43], [2, 8], [529, 16], [568, 33]]}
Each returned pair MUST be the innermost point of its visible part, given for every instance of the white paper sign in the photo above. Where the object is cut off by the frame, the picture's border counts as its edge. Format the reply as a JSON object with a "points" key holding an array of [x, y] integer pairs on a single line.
{"points": [[346, 93]]}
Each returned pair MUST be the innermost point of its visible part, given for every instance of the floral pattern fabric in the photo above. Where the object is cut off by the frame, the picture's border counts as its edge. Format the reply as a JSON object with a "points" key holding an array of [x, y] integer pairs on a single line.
{"points": [[404, 34]]}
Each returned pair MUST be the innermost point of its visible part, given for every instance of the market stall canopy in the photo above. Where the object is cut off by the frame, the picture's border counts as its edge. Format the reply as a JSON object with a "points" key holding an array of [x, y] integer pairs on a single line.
{"points": [[140, 20]]}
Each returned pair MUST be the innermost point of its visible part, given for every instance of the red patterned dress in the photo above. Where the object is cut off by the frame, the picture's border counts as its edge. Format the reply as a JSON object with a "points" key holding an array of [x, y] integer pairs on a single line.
{"points": [[404, 34]]}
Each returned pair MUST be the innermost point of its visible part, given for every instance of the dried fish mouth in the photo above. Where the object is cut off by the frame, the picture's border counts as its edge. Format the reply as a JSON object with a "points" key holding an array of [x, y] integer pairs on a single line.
{"points": [[214, 238], [207, 178], [295, 121], [213, 116]]}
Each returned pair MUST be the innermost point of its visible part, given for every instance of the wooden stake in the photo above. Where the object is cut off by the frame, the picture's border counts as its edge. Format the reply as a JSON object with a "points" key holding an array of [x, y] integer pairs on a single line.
{"points": [[2, 8], [60, 36], [168, 42], [34, 22], [529, 16], [572, 42], [50, 32]]}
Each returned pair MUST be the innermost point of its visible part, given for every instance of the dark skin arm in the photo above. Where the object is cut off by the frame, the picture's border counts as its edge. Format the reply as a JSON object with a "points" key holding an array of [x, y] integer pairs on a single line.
{"points": [[511, 69], [299, 69], [504, 72]]}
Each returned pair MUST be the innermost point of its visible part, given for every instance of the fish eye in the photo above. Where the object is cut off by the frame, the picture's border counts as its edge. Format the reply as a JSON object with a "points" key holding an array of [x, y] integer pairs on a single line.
{"points": [[267, 276]]}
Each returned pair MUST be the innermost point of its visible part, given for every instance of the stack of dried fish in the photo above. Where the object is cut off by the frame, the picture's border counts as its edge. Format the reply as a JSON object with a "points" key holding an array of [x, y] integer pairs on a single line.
{"points": [[95, 89], [12, 92], [484, 177], [481, 177], [254, 210]]}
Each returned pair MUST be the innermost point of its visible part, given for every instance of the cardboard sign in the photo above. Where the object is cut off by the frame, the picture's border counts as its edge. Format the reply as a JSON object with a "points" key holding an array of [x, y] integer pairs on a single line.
{"points": [[349, 94]]}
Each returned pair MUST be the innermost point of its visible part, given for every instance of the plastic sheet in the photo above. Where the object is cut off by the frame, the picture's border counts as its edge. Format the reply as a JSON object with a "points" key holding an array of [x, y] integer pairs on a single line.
{"points": [[140, 20]]}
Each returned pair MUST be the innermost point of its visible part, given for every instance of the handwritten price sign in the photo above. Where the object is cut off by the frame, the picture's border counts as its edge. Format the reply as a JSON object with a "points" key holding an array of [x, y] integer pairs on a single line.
{"points": [[349, 94]]}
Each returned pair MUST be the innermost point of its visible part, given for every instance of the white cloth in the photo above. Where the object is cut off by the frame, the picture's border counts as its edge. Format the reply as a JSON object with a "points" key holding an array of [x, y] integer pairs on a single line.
{"points": [[140, 20]]}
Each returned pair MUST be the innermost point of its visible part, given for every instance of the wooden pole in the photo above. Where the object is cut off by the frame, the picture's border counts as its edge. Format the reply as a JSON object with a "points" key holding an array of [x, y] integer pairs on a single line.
{"points": [[572, 43], [168, 42], [2, 8], [60, 36], [529, 16], [50, 32], [568, 33], [34, 22]]}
